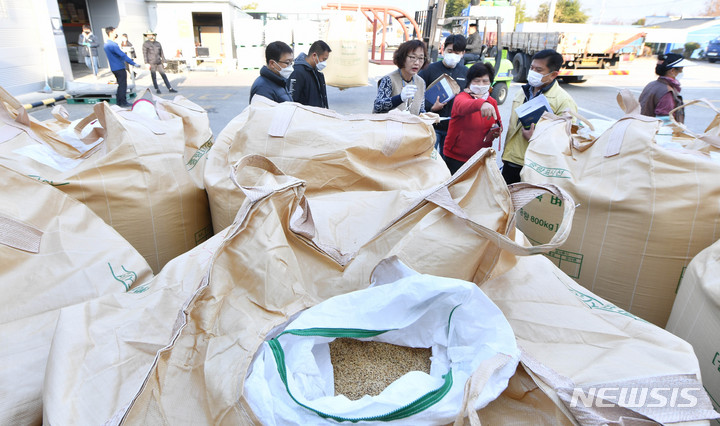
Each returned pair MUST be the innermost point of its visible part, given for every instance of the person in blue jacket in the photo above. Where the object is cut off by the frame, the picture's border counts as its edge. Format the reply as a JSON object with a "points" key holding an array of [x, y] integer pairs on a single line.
{"points": [[273, 80], [116, 59]]}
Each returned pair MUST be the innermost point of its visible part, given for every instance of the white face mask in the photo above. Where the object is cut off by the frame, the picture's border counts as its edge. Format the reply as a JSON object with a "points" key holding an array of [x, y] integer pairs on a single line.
{"points": [[285, 72], [478, 89], [451, 59], [679, 76], [321, 65], [534, 78]]}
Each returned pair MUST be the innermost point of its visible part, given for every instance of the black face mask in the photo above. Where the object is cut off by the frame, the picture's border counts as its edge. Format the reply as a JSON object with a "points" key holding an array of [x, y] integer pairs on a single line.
{"points": [[86, 32]]}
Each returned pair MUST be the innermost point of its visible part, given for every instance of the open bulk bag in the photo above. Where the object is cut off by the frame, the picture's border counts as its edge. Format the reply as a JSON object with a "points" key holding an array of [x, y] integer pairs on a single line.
{"points": [[644, 210], [196, 131], [130, 171], [291, 378], [695, 315], [600, 364], [275, 261], [331, 152], [54, 252], [102, 349], [523, 402]]}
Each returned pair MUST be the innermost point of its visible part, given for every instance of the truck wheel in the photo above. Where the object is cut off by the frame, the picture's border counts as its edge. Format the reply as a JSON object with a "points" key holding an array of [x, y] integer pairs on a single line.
{"points": [[520, 68], [574, 79], [499, 92], [712, 61]]}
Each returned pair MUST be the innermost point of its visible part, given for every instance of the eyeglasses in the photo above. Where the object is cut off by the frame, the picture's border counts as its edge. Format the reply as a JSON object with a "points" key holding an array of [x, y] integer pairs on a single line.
{"points": [[287, 63], [416, 59]]}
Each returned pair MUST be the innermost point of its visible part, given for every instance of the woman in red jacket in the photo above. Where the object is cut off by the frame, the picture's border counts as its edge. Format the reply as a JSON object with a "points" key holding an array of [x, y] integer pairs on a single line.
{"points": [[475, 119]]}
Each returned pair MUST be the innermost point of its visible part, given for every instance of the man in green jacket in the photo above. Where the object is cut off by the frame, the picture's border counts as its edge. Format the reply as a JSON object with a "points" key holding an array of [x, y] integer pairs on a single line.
{"points": [[542, 76]]}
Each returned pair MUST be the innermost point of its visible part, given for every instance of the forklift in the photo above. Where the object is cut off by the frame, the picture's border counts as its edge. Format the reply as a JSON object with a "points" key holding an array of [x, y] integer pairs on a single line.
{"points": [[432, 23], [495, 54]]}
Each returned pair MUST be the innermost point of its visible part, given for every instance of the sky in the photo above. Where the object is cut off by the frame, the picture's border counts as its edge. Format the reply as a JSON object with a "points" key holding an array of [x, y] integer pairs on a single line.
{"points": [[600, 11], [628, 11]]}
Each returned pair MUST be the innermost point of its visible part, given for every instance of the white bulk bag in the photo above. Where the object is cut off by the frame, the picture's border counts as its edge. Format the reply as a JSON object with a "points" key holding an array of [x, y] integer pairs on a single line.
{"points": [[291, 379]]}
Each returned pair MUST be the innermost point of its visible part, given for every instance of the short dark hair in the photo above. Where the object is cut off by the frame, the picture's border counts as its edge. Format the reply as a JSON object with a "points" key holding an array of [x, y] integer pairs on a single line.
{"points": [[405, 49], [457, 40], [275, 50], [86, 27], [319, 47], [480, 69], [108, 30], [473, 25], [554, 59]]}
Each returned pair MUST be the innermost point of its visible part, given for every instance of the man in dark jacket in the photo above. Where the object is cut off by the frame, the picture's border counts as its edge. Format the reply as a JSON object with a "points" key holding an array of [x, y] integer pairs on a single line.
{"points": [[474, 45], [155, 58], [454, 66], [307, 84], [88, 45], [273, 80], [117, 58]]}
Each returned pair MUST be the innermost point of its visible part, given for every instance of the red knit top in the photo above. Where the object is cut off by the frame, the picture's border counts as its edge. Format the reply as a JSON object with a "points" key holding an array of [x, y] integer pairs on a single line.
{"points": [[467, 129]]}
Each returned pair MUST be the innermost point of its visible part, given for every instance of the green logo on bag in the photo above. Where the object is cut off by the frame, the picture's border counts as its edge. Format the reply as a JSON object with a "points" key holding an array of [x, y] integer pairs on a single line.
{"points": [[682, 274], [127, 278], [203, 234], [142, 288], [594, 303], [199, 154], [40, 179], [569, 261], [548, 171]]}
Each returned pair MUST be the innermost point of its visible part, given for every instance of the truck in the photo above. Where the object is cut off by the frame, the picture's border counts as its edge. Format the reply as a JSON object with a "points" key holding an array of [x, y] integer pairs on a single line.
{"points": [[713, 50], [586, 50]]}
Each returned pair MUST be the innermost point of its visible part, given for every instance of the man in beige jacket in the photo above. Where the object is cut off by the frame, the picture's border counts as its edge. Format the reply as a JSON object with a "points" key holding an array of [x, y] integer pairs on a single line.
{"points": [[542, 79]]}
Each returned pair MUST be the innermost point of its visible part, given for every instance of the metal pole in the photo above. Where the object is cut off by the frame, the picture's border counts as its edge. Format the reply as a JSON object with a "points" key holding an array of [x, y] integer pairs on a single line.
{"points": [[498, 47], [551, 14], [436, 10]]}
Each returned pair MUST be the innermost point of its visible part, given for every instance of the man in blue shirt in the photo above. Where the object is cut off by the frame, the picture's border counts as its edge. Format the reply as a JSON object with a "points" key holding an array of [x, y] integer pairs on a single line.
{"points": [[116, 59]]}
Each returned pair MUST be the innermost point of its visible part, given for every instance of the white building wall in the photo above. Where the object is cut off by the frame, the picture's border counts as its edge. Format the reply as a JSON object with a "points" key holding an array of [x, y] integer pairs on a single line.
{"points": [[28, 47], [134, 22], [174, 25]]}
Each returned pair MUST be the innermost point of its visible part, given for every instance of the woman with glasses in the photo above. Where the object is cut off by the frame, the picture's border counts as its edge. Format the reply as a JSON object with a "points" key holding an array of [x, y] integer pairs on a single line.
{"points": [[273, 80], [403, 88]]}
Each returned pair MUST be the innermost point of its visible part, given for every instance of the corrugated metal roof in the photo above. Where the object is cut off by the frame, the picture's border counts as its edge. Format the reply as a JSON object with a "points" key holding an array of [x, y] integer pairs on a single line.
{"points": [[682, 24]]}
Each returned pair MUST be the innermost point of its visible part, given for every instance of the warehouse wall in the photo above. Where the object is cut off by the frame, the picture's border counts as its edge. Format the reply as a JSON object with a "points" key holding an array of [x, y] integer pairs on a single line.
{"points": [[28, 46], [173, 23], [30, 49]]}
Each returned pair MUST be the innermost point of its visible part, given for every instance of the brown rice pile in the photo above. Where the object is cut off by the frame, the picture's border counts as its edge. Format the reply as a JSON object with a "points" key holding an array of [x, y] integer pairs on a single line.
{"points": [[367, 368]]}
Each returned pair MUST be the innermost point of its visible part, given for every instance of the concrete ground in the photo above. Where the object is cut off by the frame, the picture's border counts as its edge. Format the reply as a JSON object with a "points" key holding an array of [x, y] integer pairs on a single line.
{"points": [[225, 94], [222, 94]]}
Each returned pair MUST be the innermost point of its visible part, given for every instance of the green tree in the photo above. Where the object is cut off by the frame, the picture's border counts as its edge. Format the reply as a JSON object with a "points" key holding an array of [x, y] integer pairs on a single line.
{"points": [[454, 7], [520, 12], [249, 6], [712, 8], [640, 21], [565, 11]]}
